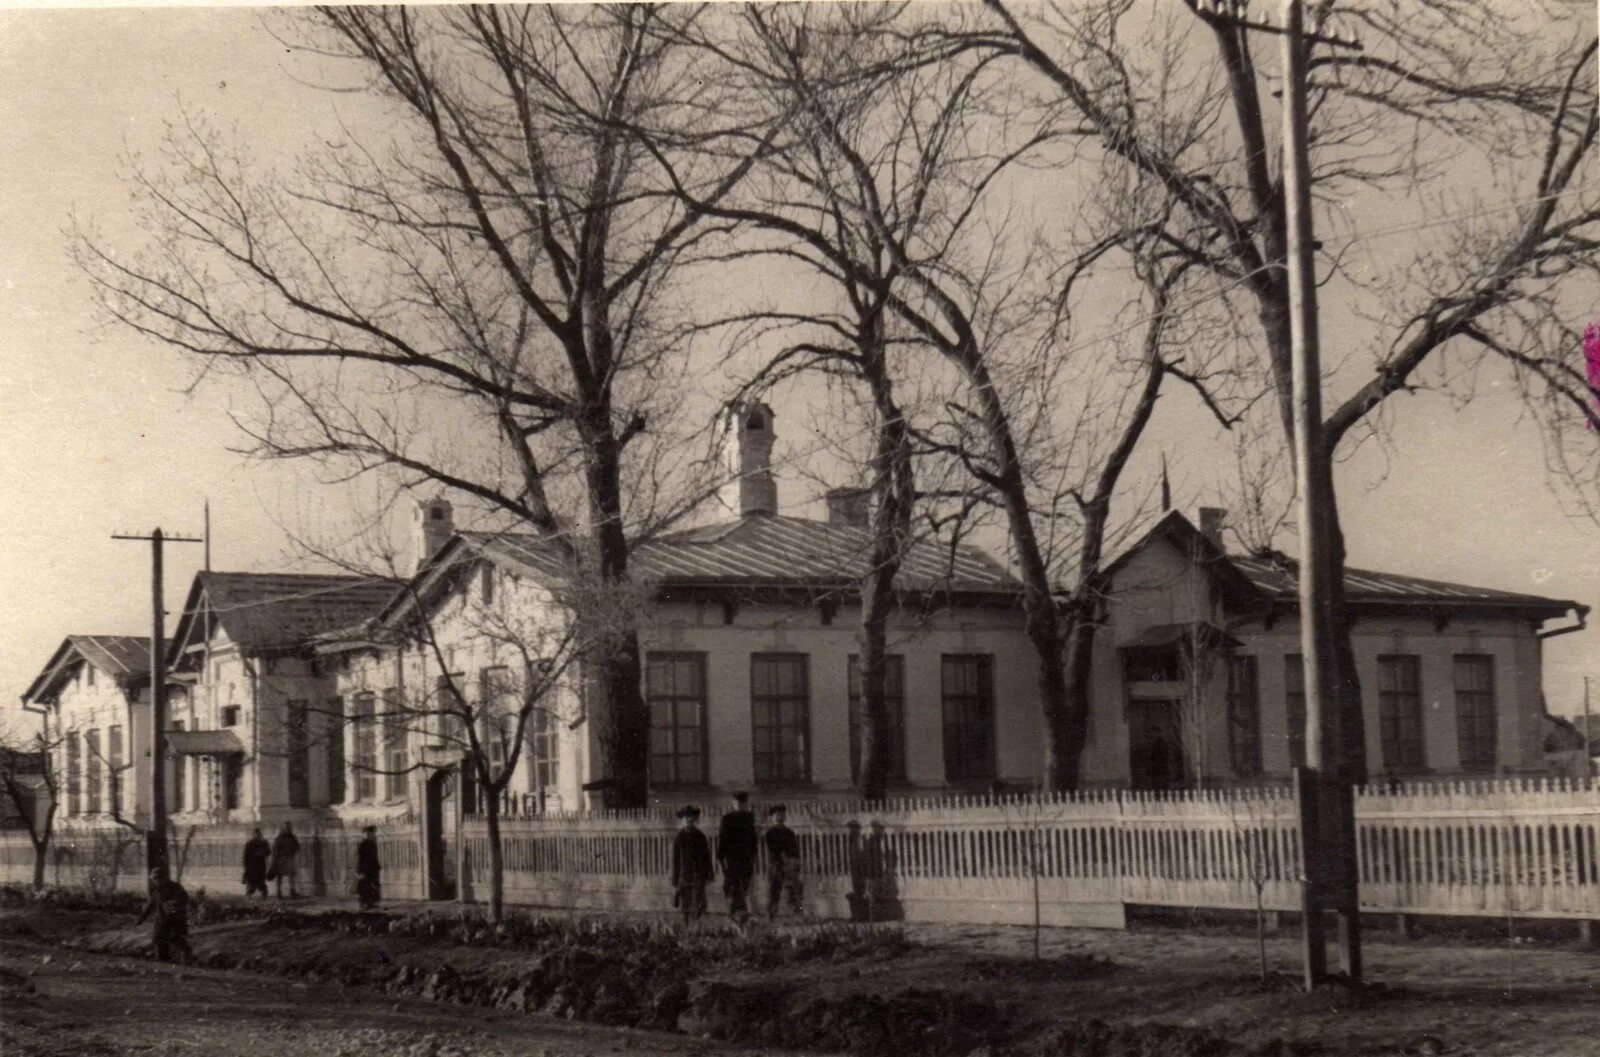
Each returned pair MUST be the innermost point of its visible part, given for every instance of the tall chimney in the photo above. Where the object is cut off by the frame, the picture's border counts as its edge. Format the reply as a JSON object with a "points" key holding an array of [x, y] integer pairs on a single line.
{"points": [[849, 507], [1211, 519], [432, 529], [751, 490]]}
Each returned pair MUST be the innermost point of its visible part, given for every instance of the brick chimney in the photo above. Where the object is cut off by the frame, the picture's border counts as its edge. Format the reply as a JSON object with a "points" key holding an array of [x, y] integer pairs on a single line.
{"points": [[1211, 521], [434, 525], [751, 490], [849, 507]]}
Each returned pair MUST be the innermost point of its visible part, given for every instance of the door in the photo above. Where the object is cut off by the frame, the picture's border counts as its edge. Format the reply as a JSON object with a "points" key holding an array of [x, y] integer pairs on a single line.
{"points": [[439, 833], [1155, 744]]}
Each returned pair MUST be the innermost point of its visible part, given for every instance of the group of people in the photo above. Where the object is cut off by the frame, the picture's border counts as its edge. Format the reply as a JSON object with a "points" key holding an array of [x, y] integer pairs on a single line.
{"points": [[738, 844], [277, 861]]}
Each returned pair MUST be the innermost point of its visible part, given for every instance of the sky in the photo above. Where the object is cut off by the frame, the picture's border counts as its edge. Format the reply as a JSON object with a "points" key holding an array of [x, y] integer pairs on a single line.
{"points": [[99, 435]]}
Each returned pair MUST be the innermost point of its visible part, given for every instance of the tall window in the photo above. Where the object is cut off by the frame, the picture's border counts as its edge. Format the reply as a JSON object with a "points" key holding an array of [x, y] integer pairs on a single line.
{"points": [[299, 749], [74, 774], [1475, 712], [1244, 715], [894, 698], [1400, 710], [448, 711], [488, 584], [231, 768], [336, 782], [91, 749], [366, 748], [780, 705], [1294, 706], [675, 684], [967, 689], [496, 707], [114, 768], [180, 777], [394, 745], [88, 674], [544, 747]]}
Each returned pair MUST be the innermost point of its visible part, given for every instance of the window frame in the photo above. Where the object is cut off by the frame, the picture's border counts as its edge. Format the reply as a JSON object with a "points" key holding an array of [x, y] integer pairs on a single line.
{"points": [[338, 781], [93, 766], [1294, 707], [700, 700], [894, 692], [1244, 731], [396, 748], [1466, 698], [1400, 721], [297, 747], [960, 765], [764, 759], [363, 720]]}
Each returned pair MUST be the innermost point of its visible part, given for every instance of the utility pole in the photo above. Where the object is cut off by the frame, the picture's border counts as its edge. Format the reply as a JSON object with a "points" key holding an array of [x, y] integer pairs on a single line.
{"points": [[156, 839], [1588, 748], [1327, 833]]}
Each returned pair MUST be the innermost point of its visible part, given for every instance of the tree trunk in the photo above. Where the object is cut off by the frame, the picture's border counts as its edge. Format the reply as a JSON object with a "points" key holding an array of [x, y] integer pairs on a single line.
{"points": [[497, 869], [625, 739], [41, 850], [1078, 679], [894, 492]]}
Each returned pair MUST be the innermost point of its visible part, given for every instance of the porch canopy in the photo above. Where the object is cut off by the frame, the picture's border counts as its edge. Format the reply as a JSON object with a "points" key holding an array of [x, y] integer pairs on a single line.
{"points": [[1166, 636], [204, 742]]}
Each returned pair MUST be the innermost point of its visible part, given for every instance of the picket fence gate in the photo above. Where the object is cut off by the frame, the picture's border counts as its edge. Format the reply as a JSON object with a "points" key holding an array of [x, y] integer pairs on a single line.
{"points": [[1510, 848]]}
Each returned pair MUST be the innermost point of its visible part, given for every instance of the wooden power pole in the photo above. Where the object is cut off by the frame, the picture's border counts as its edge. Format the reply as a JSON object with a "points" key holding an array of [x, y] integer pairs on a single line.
{"points": [[156, 838], [1327, 832]]}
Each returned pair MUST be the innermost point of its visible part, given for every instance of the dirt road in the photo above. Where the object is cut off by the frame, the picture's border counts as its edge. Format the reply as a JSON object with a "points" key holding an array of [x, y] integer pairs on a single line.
{"points": [[89, 1005]]}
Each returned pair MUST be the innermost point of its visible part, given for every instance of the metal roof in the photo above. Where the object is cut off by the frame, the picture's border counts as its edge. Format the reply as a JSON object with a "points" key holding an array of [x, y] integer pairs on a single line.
{"points": [[115, 654], [122, 657], [1277, 576], [263, 611], [772, 552]]}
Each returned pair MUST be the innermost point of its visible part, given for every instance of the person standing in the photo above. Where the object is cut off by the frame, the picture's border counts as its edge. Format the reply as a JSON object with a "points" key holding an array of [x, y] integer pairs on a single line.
{"points": [[369, 889], [783, 862], [691, 866], [256, 853], [737, 844], [285, 850], [169, 902]]}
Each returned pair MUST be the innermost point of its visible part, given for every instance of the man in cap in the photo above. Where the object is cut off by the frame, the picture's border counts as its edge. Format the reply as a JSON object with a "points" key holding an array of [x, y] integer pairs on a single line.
{"points": [[737, 844], [691, 865], [783, 862]]}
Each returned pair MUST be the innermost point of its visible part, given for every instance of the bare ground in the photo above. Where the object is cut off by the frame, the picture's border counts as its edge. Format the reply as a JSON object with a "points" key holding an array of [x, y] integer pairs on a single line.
{"points": [[94, 1005], [1471, 999]]}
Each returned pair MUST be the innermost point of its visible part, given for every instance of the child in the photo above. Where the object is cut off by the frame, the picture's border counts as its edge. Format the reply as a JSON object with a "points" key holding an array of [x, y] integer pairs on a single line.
{"points": [[691, 866], [783, 862]]}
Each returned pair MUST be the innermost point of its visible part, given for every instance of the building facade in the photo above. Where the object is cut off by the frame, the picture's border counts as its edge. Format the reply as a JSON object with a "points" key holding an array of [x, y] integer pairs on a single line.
{"points": [[92, 698]]}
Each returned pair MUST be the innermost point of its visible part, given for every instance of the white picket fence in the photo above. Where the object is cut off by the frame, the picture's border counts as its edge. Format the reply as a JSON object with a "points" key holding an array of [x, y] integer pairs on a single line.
{"points": [[1523, 848]]}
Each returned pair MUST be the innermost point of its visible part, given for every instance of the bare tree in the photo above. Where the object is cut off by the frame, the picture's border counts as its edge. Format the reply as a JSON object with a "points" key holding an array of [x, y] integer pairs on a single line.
{"points": [[28, 775], [1412, 107], [481, 297]]}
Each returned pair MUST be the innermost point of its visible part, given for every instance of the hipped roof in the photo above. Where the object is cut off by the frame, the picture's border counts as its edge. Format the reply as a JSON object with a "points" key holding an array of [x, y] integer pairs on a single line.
{"points": [[748, 554]]}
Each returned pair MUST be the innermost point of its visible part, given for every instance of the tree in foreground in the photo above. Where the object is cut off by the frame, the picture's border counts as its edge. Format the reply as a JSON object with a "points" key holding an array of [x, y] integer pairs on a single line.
{"points": [[476, 292]]}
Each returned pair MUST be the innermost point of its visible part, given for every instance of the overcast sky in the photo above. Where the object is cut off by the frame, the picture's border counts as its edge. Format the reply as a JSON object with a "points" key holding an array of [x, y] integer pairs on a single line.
{"points": [[97, 434]]}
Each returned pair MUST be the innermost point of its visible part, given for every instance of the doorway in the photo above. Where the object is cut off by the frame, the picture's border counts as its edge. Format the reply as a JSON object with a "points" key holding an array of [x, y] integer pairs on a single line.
{"points": [[439, 832], [1155, 744]]}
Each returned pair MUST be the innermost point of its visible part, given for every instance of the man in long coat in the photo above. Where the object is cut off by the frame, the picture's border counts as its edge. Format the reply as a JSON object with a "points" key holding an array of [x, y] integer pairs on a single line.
{"points": [[256, 853], [691, 866], [369, 889], [285, 850], [737, 844]]}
